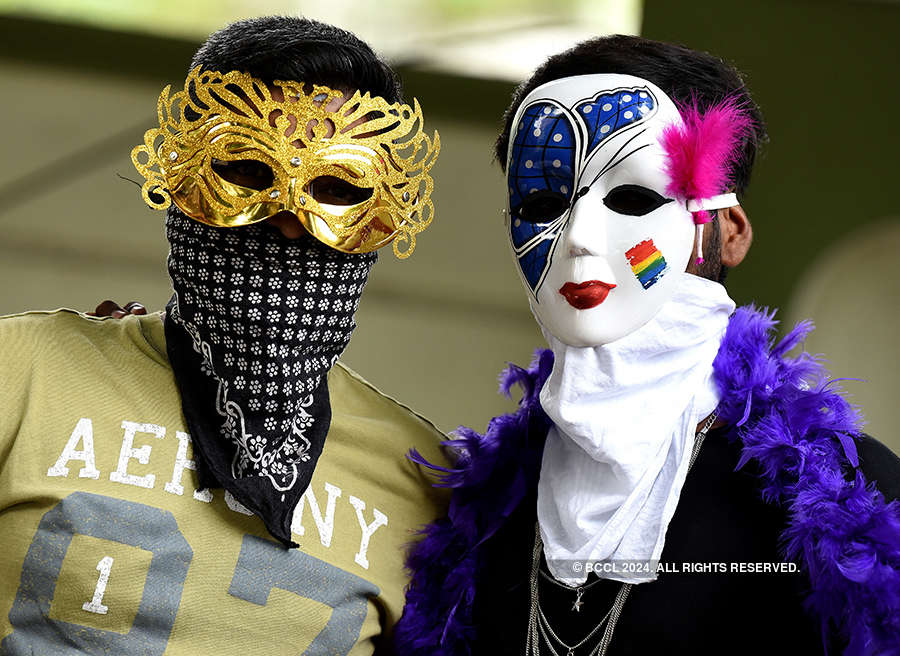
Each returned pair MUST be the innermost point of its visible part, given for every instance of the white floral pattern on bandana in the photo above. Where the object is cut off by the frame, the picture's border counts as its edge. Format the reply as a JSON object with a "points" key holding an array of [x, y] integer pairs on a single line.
{"points": [[269, 317]]}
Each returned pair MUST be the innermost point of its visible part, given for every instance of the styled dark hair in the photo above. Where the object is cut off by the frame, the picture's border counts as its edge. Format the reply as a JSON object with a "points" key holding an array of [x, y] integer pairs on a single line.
{"points": [[298, 49], [684, 75]]}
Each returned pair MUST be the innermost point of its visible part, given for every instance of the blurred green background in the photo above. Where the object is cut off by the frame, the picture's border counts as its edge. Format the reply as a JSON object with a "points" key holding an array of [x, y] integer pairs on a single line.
{"points": [[80, 80]]}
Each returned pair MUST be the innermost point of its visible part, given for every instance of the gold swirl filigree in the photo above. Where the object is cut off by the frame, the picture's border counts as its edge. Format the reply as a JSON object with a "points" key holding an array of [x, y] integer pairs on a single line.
{"points": [[301, 133]]}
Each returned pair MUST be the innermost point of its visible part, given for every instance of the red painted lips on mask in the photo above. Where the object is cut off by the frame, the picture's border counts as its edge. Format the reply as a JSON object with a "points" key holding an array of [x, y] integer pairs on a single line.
{"points": [[585, 295]]}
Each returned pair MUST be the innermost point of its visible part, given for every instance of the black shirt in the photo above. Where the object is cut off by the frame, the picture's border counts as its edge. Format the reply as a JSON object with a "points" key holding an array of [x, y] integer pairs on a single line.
{"points": [[720, 518]]}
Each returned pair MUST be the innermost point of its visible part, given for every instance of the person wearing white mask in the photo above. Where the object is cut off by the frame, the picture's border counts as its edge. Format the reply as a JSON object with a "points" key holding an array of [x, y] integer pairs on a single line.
{"points": [[673, 480]]}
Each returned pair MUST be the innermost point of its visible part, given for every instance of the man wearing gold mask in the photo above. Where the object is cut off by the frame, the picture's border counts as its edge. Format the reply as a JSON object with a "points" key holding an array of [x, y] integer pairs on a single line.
{"points": [[285, 162]]}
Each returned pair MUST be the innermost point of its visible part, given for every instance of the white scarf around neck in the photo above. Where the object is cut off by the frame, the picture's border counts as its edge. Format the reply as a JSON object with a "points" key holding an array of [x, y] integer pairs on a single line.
{"points": [[624, 418]]}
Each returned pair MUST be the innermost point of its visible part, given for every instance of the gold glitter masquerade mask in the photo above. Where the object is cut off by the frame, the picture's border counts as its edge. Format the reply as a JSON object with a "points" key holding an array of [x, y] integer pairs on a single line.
{"points": [[229, 151]]}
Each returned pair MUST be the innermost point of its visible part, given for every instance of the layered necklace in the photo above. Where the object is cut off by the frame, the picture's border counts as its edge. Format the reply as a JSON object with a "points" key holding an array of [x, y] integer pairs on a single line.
{"points": [[540, 633]]}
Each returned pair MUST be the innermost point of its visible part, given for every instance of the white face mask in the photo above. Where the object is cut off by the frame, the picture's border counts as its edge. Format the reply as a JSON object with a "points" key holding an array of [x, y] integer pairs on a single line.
{"points": [[595, 236]]}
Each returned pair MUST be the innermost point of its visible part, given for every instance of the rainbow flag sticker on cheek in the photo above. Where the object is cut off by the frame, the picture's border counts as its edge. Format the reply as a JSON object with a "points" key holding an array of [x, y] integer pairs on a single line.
{"points": [[647, 263]]}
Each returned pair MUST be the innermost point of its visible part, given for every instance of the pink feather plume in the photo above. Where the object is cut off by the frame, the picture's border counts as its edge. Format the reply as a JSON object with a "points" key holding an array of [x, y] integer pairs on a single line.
{"points": [[703, 148]]}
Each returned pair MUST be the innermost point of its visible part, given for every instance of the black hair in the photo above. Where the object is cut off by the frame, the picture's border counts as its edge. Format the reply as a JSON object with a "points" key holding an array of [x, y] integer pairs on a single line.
{"points": [[298, 49], [683, 74], [712, 268]]}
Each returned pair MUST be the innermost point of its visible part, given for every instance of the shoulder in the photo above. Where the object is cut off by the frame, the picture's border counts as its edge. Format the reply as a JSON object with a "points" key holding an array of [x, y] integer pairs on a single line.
{"points": [[62, 354], [23, 335], [377, 434], [33, 322], [355, 396], [66, 336], [39, 324], [880, 465]]}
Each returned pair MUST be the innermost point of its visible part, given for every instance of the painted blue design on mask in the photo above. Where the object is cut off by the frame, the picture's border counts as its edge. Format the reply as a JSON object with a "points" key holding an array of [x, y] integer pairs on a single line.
{"points": [[533, 262], [550, 146], [543, 154], [523, 232], [610, 112], [543, 160]]}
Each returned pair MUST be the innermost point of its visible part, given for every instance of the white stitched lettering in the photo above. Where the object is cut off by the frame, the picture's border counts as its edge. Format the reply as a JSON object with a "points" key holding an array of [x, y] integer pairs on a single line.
{"points": [[141, 454], [367, 529], [84, 431], [182, 462], [95, 605], [325, 525]]}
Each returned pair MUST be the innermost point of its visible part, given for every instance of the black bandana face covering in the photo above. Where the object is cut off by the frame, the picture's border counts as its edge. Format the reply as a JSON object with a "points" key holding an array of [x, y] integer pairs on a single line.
{"points": [[256, 322]]}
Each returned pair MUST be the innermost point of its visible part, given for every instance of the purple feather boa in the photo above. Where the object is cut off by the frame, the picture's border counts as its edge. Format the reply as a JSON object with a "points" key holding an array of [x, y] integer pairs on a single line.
{"points": [[790, 419]]}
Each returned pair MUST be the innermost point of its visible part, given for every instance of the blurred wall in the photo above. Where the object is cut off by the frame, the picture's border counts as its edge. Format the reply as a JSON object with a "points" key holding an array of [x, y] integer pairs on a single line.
{"points": [[825, 74]]}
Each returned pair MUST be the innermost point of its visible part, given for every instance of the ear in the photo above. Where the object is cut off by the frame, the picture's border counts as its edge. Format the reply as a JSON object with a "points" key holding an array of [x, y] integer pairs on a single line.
{"points": [[737, 235]]}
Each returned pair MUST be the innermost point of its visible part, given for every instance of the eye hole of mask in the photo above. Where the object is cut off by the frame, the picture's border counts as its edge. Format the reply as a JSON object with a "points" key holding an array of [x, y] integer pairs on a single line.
{"points": [[634, 200], [329, 190], [244, 172], [541, 206]]}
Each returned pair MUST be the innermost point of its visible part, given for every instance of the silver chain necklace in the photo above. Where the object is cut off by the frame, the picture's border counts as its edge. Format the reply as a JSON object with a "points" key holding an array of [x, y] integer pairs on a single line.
{"points": [[538, 625], [545, 627], [579, 591]]}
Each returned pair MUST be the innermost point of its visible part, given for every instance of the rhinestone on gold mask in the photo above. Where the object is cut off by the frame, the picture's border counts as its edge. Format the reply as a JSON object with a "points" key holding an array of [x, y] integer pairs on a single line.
{"points": [[375, 152]]}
